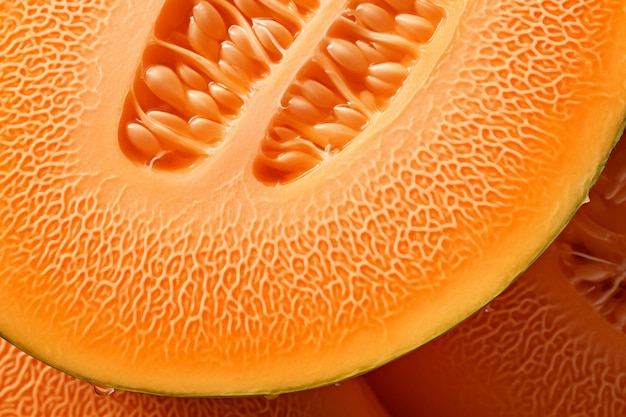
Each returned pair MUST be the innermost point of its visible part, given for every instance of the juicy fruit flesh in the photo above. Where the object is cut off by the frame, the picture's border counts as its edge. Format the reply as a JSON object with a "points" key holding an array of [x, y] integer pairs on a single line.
{"points": [[205, 62], [211, 282]]}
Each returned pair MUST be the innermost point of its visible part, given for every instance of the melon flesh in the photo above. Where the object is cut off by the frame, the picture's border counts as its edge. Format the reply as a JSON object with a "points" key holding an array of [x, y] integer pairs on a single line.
{"points": [[138, 254]]}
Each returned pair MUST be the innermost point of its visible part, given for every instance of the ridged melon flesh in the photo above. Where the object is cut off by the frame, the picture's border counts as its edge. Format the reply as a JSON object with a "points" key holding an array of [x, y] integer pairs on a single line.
{"points": [[29, 388], [552, 345], [209, 197]]}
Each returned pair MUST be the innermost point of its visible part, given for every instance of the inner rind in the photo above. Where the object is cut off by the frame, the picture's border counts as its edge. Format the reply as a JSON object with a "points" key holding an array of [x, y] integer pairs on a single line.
{"points": [[208, 57]]}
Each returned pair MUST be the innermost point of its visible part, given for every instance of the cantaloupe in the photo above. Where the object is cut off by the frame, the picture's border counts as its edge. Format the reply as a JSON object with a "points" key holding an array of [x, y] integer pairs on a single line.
{"points": [[210, 197], [552, 345]]}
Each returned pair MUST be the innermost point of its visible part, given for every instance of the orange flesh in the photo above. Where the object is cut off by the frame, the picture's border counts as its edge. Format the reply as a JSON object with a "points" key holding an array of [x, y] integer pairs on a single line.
{"points": [[188, 274], [552, 345]]}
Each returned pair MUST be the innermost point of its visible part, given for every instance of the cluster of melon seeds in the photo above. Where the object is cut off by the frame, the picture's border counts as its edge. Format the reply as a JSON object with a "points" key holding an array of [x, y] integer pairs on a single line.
{"points": [[595, 253], [199, 69], [205, 63], [358, 68]]}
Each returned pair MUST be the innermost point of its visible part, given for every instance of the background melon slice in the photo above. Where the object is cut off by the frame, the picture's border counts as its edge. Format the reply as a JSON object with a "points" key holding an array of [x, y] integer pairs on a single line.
{"points": [[257, 262], [28, 388]]}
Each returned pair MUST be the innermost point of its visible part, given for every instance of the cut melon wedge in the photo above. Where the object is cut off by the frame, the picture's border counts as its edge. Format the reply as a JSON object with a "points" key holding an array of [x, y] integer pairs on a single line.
{"points": [[212, 198]]}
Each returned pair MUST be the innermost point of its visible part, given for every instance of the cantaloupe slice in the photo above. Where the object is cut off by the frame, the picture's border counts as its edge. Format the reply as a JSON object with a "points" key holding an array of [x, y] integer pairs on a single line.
{"points": [[209, 197], [552, 345], [29, 388]]}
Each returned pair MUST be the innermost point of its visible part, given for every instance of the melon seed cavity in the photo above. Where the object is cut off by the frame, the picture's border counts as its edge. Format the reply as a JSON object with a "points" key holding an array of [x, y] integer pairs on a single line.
{"points": [[209, 58]]}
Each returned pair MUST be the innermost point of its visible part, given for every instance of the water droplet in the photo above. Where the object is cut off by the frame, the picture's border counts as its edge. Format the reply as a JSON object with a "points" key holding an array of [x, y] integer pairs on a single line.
{"points": [[102, 391], [271, 396], [337, 384], [488, 308]]}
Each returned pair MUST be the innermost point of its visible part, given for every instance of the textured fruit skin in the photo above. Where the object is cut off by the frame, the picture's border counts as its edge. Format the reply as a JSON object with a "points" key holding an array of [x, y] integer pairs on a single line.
{"points": [[168, 279], [539, 349]]}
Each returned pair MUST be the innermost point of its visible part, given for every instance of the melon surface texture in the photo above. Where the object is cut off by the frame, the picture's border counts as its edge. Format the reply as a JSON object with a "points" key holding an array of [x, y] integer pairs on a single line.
{"points": [[215, 198]]}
